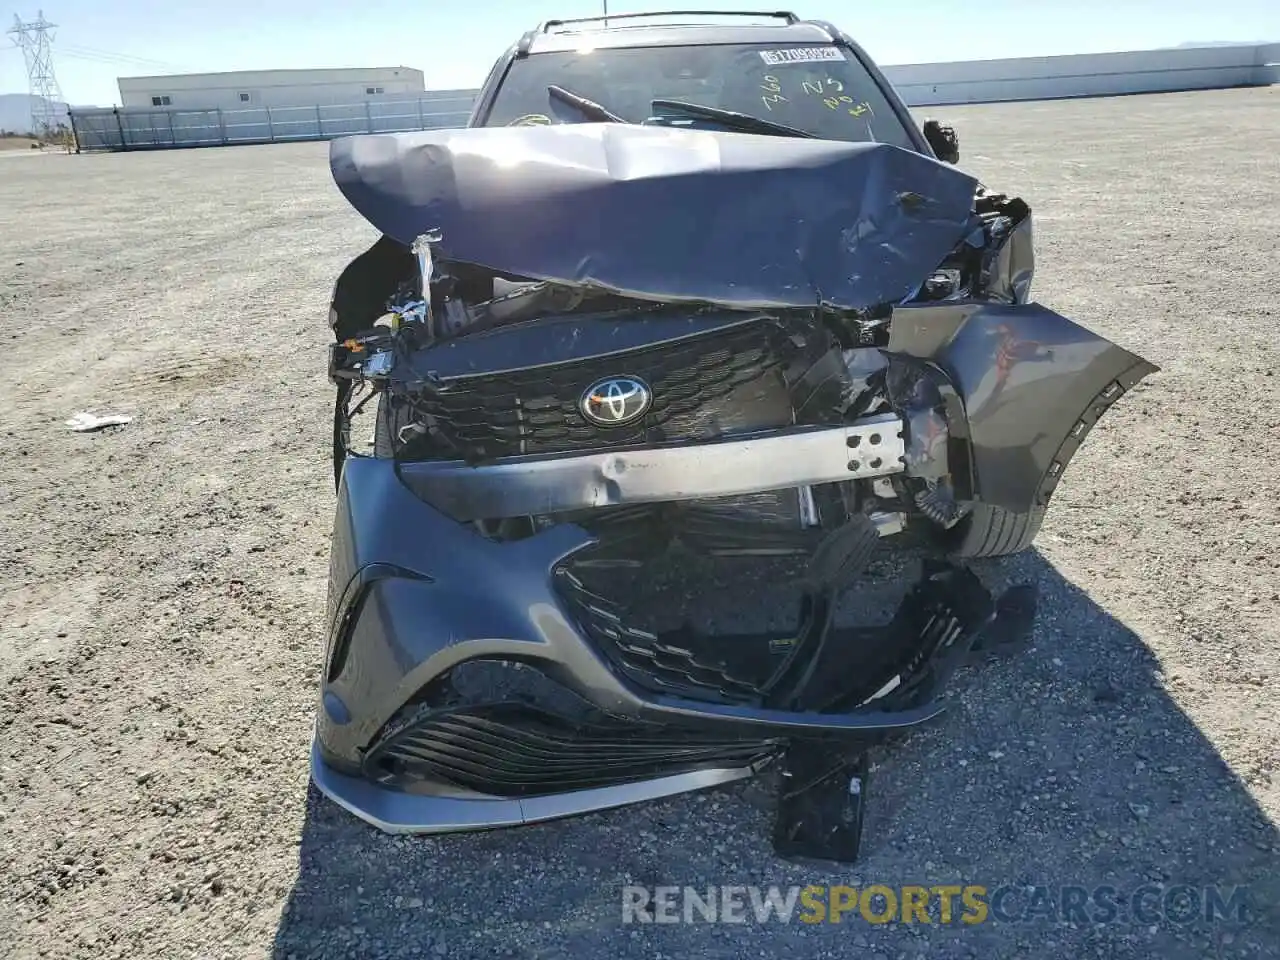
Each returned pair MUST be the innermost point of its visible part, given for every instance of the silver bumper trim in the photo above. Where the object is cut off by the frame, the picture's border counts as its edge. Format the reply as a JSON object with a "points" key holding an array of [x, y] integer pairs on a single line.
{"points": [[525, 486], [394, 812]]}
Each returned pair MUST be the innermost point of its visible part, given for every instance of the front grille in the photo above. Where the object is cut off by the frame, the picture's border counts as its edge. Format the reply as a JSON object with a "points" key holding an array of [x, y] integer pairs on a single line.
{"points": [[516, 750], [536, 410], [723, 669]]}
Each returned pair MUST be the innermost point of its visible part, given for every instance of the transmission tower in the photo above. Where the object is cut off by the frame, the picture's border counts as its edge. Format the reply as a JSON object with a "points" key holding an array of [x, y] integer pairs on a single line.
{"points": [[35, 39]]}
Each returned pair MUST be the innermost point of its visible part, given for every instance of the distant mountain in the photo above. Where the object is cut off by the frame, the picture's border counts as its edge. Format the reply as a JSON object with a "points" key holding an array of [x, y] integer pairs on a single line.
{"points": [[15, 112]]}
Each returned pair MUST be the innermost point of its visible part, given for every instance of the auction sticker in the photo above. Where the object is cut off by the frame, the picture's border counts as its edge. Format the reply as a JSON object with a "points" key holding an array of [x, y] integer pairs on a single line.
{"points": [[800, 55]]}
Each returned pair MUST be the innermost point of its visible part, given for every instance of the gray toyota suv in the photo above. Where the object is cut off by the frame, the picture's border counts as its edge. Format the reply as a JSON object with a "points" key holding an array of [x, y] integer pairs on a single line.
{"points": [[688, 316]]}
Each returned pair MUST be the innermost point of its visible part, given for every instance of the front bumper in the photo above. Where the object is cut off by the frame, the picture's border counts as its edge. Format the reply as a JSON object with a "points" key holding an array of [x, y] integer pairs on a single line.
{"points": [[416, 596]]}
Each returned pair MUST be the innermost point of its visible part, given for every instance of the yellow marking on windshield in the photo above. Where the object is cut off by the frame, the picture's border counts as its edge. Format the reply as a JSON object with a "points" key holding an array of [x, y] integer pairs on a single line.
{"points": [[772, 92], [827, 89]]}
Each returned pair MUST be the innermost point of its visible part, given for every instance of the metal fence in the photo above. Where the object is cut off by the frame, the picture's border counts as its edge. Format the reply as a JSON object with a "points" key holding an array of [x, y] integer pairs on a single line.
{"points": [[144, 129]]}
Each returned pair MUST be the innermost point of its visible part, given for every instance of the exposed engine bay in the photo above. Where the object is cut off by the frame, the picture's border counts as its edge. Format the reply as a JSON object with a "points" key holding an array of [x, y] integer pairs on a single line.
{"points": [[715, 359]]}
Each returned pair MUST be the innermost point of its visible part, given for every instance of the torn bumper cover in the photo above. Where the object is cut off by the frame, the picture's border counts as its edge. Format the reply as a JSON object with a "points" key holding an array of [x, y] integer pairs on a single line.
{"points": [[489, 686], [832, 343]]}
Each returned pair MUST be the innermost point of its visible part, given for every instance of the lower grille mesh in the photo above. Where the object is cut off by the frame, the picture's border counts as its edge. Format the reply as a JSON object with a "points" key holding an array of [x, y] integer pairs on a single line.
{"points": [[511, 749], [719, 669]]}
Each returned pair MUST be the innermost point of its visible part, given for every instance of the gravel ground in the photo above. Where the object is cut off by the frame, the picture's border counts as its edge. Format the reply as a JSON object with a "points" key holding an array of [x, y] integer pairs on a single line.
{"points": [[162, 588]]}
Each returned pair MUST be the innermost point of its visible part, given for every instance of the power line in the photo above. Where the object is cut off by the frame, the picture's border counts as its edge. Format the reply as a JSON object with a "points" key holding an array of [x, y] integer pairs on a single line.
{"points": [[36, 40], [108, 56], [105, 61]]}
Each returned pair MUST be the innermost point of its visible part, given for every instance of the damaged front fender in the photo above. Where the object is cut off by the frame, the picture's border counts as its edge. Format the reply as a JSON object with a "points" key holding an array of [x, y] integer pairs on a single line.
{"points": [[1031, 384]]}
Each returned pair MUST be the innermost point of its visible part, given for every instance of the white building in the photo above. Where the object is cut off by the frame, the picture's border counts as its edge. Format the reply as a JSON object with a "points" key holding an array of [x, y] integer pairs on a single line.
{"points": [[270, 88]]}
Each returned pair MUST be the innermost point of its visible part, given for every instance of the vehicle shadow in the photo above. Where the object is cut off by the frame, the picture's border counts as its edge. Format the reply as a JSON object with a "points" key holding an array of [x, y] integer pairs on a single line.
{"points": [[1068, 766]]}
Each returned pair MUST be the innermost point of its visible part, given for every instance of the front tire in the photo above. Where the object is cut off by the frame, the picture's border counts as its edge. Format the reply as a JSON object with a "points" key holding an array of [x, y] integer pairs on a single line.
{"points": [[990, 531]]}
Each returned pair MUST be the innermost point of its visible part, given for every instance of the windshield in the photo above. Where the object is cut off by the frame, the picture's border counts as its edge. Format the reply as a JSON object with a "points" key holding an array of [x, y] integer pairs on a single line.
{"points": [[820, 89]]}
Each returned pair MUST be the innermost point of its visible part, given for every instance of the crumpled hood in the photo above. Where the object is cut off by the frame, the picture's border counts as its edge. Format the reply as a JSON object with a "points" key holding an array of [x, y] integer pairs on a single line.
{"points": [[662, 214]]}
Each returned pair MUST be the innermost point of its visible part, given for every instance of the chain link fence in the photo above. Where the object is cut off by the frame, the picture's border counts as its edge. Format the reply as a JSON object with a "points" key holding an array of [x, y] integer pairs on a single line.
{"points": [[145, 129]]}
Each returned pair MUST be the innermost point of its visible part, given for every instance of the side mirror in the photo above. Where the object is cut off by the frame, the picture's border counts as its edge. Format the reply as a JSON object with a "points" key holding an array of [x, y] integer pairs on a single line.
{"points": [[943, 141]]}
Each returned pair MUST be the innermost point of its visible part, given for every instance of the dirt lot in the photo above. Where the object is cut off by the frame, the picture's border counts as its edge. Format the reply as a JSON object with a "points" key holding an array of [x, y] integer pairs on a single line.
{"points": [[162, 588], [17, 143]]}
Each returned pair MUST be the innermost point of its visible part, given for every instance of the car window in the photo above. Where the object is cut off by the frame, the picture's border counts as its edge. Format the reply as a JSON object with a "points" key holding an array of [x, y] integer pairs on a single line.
{"points": [[822, 90]]}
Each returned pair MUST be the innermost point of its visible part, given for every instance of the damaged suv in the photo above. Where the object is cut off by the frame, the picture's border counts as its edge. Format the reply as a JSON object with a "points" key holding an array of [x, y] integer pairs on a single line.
{"points": [[685, 310]]}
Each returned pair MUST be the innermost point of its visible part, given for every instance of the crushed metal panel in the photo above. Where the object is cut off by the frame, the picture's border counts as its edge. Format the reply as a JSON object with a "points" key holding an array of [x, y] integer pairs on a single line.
{"points": [[669, 215], [1032, 383]]}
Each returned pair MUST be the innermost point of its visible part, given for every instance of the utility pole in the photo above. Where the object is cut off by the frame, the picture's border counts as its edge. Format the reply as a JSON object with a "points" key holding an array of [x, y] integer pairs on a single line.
{"points": [[36, 40]]}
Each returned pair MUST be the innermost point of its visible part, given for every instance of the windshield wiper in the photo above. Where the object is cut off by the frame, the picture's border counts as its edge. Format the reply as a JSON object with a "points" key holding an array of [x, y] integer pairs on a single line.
{"points": [[588, 108], [742, 122]]}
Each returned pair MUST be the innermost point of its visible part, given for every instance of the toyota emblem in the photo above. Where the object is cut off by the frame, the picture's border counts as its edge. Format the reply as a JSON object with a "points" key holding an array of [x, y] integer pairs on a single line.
{"points": [[616, 401]]}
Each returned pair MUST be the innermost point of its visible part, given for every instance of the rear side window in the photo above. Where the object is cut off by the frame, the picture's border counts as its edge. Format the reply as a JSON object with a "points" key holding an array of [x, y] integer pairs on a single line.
{"points": [[821, 89]]}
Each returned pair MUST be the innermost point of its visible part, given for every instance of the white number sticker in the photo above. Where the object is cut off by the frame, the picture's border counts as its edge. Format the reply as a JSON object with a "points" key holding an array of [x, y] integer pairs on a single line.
{"points": [[800, 55]]}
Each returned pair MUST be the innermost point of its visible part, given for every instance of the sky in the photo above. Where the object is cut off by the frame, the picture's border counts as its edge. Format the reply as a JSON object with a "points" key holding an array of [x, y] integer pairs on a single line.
{"points": [[454, 42]]}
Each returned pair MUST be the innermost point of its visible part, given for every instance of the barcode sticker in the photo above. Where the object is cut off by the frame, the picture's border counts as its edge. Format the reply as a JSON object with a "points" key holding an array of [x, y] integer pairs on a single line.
{"points": [[800, 55]]}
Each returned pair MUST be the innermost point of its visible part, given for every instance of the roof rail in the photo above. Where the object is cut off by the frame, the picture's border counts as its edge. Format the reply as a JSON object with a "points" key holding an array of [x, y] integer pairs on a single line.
{"points": [[526, 41], [771, 14]]}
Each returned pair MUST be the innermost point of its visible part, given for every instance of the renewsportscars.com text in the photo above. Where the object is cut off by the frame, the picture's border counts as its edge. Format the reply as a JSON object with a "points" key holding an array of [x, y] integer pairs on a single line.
{"points": [[969, 904]]}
